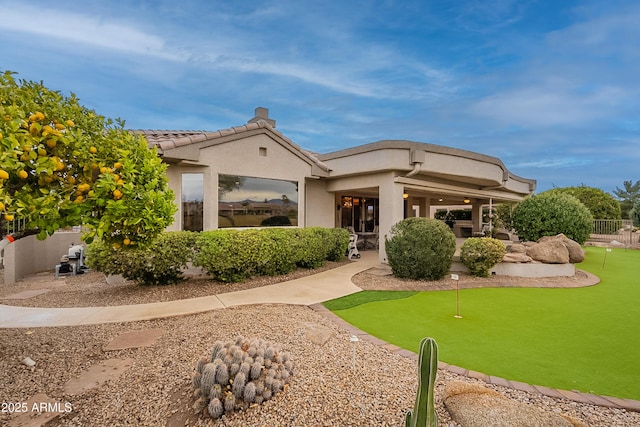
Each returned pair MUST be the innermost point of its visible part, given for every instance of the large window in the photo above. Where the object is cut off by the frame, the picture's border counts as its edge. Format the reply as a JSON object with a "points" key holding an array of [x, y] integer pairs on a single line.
{"points": [[192, 198], [245, 201]]}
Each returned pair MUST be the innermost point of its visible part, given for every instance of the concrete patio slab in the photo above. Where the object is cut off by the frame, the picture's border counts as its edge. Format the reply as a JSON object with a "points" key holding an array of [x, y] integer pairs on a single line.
{"points": [[135, 339], [97, 375]]}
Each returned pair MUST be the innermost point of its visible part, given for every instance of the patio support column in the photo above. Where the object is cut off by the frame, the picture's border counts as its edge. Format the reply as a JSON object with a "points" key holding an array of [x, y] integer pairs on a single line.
{"points": [[476, 217], [391, 210]]}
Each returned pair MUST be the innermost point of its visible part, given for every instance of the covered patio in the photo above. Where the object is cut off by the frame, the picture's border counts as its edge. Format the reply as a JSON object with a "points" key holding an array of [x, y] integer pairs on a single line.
{"points": [[377, 185]]}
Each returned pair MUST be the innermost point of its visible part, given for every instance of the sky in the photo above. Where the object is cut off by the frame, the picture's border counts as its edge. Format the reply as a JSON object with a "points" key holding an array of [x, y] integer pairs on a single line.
{"points": [[552, 88]]}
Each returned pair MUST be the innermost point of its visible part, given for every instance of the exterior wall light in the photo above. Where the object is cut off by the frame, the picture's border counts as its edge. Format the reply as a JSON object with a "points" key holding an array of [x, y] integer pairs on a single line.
{"points": [[467, 200], [405, 196]]}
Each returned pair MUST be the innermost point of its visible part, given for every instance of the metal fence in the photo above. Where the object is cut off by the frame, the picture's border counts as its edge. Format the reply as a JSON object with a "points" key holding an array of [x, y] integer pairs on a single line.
{"points": [[12, 226], [620, 230]]}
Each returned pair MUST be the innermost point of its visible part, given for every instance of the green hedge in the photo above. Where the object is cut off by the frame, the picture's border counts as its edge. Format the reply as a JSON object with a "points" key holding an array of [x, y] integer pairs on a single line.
{"points": [[226, 255], [235, 255], [159, 263]]}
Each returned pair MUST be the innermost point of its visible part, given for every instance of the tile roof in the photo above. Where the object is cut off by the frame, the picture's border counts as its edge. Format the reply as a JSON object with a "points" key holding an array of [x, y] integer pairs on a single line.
{"points": [[166, 140]]}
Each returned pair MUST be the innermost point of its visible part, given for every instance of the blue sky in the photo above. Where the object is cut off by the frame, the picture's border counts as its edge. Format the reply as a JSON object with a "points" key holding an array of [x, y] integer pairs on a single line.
{"points": [[549, 87]]}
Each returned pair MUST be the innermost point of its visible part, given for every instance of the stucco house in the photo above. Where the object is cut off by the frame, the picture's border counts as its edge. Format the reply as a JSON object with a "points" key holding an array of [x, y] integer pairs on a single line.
{"points": [[253, 175]]}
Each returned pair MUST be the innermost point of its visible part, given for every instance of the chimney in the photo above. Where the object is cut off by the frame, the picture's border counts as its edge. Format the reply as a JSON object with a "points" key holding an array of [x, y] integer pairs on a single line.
{"points": [[263, 114]]}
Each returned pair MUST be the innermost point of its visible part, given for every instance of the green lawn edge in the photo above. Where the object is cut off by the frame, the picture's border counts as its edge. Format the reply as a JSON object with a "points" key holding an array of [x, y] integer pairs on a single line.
{"points": [[581, 339]]}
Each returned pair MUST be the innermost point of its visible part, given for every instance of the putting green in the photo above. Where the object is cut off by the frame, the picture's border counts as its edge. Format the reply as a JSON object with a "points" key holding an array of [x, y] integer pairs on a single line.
{"points": [[583, 339]]}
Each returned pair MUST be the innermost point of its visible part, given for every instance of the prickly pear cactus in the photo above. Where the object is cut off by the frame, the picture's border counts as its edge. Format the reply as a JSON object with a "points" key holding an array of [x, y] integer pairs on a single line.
{"points": [[238, 374], [424, 411]]}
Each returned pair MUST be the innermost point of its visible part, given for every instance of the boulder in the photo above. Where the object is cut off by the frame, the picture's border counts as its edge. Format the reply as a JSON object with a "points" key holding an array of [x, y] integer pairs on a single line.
{"points": [[516, 249], [517, 258], [550, 251], [473, 405], [576, 253]]}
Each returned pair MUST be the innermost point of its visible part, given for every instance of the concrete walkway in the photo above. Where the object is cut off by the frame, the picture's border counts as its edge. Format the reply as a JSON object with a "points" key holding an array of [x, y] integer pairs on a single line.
{"points": [[308, 290]]}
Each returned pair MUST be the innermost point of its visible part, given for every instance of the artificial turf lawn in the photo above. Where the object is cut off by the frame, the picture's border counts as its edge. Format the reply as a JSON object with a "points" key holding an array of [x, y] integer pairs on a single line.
{"points": [[584, 339]]}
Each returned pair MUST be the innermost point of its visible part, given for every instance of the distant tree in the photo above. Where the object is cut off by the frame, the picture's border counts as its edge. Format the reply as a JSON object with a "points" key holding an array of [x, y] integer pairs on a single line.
{"points": [[602, 205], [63, 165], [549, 214], [635, 213], [627, 196]]}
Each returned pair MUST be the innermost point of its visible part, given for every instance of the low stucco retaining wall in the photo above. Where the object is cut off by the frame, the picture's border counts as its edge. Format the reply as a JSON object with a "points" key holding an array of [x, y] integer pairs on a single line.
{"points": [[29, 255], [525, 269]]}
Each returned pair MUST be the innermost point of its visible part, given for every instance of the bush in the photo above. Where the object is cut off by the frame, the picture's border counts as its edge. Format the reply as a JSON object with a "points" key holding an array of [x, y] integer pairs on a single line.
{"points": [[235, 255], [550, 214], [159, 263], [480, 254], [601, 205], [420, 248]]}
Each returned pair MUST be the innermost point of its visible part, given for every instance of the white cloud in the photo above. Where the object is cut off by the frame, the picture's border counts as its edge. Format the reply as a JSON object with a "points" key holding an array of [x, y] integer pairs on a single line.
{"points": [[77, 28]]}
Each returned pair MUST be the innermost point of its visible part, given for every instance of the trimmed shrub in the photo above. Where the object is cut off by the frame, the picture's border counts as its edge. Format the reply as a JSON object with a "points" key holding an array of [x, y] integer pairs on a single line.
{"points": [[159, 263], [235, 255], [550, 214], [336, 242], [420, 248], [480, 254], [310, 247]]}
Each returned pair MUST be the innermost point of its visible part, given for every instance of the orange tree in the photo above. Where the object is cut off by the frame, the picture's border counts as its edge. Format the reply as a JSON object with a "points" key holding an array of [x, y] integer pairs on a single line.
{"points": [[62, 165]]}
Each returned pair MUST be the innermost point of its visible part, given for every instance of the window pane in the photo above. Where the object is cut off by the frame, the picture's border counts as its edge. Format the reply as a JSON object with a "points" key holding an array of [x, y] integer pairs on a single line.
{"points": [[256, 202], [192, 201]]}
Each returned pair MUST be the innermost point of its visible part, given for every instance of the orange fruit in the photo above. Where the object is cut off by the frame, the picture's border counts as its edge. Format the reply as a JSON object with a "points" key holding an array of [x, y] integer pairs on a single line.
{"points": [[78, 199], [59, 126], [70, 123], [8, 217], [126, 241], [51, 143], [1, 206], [4, 174], [93, 150], [116, 246], [23, 174], [117, 194], [117, 165]]}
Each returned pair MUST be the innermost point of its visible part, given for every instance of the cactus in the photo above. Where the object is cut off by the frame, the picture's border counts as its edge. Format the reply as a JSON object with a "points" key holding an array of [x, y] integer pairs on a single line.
{"points": [[222, 375], [424, 412], [217, 347], [216, 392], [229, 402], [215, 408], [241, 373], [245, 368], [256, 370], [250, 393], [238, 385], [197, 380], [208, 378]]}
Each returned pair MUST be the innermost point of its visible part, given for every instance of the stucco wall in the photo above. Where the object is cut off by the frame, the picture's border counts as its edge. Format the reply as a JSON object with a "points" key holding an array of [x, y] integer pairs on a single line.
{"points": [[321, 205], [29, 255]]}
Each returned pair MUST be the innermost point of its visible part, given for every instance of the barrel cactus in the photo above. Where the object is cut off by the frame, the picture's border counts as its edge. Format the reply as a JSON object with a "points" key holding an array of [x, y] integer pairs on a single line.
{"points": [[238, 374]]}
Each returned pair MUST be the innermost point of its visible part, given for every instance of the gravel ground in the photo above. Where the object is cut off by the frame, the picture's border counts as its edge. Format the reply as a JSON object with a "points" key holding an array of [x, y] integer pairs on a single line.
{"points": [[327, 388]]}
